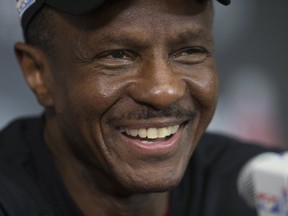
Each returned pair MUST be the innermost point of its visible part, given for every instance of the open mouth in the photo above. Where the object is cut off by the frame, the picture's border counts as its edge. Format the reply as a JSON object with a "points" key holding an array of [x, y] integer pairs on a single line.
{"points": [[152, 134]]}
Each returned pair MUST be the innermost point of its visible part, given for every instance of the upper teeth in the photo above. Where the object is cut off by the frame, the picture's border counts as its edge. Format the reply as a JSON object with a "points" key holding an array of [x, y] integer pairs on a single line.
{"points": [[152, 133]]}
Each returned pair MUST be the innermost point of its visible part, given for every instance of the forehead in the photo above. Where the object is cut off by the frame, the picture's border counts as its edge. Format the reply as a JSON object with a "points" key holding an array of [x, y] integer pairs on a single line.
{"points": [[144, 19], [129, 11]]}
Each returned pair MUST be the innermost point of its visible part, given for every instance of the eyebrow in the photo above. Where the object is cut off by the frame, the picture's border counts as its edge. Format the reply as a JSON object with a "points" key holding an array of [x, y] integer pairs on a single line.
{"points": [[124, 39], [188, 35], [199, 35], [184, 37]]}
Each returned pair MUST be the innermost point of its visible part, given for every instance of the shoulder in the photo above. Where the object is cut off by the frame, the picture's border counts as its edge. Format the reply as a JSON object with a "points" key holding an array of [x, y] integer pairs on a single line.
{"points": [[14, 145], [18, 126], [217, 148], [19, 194], [216, 163]]}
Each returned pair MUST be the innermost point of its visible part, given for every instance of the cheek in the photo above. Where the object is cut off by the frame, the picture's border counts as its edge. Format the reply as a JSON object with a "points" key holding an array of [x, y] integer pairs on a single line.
{"points": [[203, 85], [81, 105], [83, 96], [204, 91], [208, 90]]}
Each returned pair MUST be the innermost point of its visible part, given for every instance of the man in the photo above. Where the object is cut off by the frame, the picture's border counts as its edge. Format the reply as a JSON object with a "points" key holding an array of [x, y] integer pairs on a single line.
{"points": [[129, 88]]}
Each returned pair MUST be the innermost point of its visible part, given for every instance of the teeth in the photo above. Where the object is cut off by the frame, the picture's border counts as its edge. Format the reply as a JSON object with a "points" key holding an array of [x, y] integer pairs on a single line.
{"points": [[142, 133], [152, 133], [162, 132], [174, 129], [134, 132]]}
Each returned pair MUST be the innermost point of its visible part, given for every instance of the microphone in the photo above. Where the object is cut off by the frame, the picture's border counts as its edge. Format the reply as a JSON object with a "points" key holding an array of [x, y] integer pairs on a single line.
{"points": [[263, 184]]}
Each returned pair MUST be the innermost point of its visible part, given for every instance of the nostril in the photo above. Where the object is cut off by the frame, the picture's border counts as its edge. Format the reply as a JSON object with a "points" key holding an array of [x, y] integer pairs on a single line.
{"points": [[165, 91]]}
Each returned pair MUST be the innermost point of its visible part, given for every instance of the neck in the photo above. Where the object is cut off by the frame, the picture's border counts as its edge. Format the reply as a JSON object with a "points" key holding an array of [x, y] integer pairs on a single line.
{"points": [[94, 193], [87, 189]]}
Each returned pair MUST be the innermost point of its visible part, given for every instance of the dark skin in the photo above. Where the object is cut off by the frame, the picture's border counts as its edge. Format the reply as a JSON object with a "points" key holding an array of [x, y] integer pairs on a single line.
{"points": [[131, 66]]}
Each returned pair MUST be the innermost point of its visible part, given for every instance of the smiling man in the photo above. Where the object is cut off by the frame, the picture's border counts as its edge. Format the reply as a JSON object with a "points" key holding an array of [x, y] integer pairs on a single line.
{"points": [[129, 88]]}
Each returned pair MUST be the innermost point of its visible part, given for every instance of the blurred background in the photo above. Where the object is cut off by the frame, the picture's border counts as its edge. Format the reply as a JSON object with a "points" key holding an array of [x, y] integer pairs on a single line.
{"points": [[251, 51]]}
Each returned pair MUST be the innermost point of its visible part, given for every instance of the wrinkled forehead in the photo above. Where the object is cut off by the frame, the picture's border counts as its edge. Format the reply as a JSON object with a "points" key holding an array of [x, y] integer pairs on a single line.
{"points": [[28, 8]]}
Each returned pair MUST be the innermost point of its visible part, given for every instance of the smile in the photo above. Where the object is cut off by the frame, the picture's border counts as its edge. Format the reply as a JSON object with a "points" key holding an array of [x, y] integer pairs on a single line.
{"points": [[151, 133], [153, 139]]}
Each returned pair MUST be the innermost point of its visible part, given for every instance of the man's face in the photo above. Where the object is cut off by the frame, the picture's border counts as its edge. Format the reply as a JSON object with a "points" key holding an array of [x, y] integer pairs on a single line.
{"points": [[134, 87]]}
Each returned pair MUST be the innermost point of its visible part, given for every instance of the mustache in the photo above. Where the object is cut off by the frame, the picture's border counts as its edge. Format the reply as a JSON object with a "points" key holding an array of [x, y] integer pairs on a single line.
{"points": [[147, 113]]}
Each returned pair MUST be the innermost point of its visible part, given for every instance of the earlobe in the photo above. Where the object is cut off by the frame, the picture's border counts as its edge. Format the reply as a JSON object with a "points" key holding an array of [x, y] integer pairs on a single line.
{"points": [[36, 72]]}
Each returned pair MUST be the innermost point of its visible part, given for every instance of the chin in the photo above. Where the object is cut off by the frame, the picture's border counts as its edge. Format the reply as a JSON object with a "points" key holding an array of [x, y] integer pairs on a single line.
{"points": [[153, 183], [153, 188]]}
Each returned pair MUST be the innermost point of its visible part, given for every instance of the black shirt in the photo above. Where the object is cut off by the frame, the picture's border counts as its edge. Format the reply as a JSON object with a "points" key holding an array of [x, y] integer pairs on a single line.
{"points": [[31, 185]]}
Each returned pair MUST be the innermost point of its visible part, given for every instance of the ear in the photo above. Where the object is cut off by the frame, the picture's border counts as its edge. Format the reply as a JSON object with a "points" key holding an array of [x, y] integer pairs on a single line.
{"points": [[36, 71]]}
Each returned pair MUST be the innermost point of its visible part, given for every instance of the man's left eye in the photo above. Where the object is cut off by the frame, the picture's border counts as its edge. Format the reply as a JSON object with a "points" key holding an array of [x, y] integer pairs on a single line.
{"points": [[192, 55], [118, 55], [117, 58]]}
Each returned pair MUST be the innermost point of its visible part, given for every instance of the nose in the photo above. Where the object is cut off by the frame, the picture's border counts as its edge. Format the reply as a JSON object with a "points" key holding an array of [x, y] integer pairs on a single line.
{"points": [[157, 85]]}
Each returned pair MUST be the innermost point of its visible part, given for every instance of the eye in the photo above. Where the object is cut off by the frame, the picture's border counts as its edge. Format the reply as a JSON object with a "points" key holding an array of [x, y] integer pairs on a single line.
{"points": [[116, 55], [117, 58], [192, 55]]}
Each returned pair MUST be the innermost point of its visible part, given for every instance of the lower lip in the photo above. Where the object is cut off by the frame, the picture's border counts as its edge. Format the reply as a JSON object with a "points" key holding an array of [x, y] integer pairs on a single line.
{"points": [[158, 147]]}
